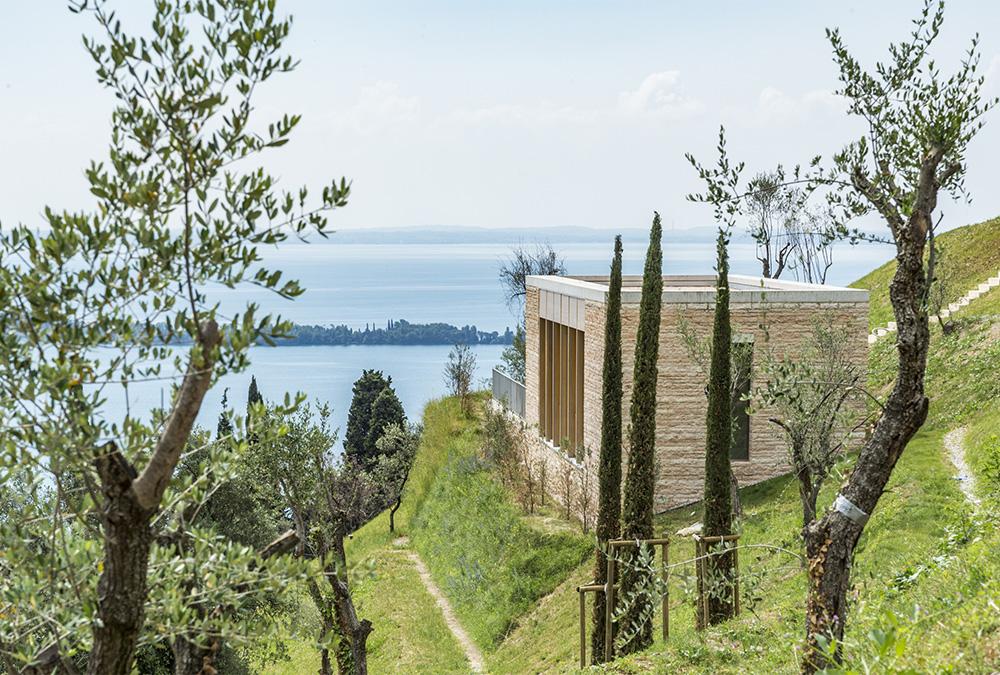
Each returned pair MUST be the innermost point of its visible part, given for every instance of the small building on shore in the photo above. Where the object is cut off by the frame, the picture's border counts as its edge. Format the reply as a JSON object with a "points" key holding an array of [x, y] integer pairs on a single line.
{"points": [[564, 323]]}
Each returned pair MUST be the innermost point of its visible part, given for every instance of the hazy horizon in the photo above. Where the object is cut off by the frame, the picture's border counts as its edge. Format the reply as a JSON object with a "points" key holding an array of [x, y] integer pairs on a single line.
{"points": [[520, 114]]}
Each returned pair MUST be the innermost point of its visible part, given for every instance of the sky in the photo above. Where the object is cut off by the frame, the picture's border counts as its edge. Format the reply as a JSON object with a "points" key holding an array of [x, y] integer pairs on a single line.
{"points": [[504, 114]]}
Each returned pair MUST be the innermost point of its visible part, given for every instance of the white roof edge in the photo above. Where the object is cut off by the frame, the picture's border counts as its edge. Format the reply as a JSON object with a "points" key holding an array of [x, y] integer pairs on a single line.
{"points": [[773, 291], [576, 288]]}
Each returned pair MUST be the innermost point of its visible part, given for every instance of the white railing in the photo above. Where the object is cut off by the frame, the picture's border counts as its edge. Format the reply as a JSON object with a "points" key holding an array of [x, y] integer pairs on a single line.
{"points": [[509, 392]]}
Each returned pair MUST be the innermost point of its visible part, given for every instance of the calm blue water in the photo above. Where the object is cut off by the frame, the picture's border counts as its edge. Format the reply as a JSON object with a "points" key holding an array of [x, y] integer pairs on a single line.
{"points": [[355, 284], [358, 283], [323, 373]]}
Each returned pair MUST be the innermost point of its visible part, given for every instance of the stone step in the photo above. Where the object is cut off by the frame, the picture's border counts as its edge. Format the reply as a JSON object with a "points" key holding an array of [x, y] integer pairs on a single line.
{"points": [[872, 339], [954, 307], [891, 326], [994, 282], [983, 288], [944, 313], [964, 301], [972, 295]]}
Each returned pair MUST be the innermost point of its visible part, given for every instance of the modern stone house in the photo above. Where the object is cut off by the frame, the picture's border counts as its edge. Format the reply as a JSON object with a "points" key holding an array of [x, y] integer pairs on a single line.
{"points": [[564, 319]]}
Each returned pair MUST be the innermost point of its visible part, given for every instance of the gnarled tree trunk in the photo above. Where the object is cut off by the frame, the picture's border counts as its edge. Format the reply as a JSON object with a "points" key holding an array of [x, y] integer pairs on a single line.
{"points": [[130, 501], [830, 542]]}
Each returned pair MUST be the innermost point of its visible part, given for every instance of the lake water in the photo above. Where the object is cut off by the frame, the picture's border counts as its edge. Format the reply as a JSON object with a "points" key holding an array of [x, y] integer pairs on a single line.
{"points": [[323, 373], [358, 283]]}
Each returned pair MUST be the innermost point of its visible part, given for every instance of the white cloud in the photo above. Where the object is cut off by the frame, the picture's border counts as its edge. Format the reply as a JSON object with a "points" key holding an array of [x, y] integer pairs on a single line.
{"points": [[658, 95], [379, 106], [523, 115], [774, 105]]}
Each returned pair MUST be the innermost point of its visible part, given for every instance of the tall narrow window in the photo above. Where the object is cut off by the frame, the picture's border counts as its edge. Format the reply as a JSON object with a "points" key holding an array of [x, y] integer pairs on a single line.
{"points": [[742, 367], [560, 390]]}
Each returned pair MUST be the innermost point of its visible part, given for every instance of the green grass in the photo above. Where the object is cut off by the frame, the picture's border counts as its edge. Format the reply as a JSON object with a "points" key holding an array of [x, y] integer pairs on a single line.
{"points": [[410, 633], [911, 522], [962, 370], [925, 573], [926, 593], [491, 564], [972, 254], [408, 627]]}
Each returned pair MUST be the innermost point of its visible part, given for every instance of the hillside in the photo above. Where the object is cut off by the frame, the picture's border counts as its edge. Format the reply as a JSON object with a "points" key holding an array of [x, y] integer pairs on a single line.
{"points": [[971, 255], [927, 575]]}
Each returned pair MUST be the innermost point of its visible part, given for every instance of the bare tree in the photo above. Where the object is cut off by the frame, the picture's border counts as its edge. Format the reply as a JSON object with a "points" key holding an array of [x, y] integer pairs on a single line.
{"points": [[523, 263], [773, 210], [585, 492], [812, 254], [458, 374]]}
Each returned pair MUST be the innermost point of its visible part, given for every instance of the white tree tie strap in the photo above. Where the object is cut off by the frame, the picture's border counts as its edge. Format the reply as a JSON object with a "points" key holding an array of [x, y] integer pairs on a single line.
{"points": [[844, 506]]}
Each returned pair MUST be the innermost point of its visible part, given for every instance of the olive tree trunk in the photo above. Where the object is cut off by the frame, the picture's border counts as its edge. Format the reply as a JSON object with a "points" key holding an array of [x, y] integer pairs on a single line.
{"points": [[830, 541], [131, 500]]}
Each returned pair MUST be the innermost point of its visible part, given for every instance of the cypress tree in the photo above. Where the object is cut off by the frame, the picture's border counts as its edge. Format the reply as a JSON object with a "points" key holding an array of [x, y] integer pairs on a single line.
{"points": [[718, 516], [359, 416], [224, 428], [386, 410], [637, 521], [253, 394], [609, 471], [253, 397]]}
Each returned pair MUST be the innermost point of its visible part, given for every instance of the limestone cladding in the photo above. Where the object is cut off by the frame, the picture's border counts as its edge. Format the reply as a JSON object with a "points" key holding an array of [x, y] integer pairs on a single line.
{"points": [[681, 401]]}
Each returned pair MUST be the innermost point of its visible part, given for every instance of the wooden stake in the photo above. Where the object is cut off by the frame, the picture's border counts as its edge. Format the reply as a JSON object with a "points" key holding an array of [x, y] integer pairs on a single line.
{"points": [[609, 603], [664, 548]]}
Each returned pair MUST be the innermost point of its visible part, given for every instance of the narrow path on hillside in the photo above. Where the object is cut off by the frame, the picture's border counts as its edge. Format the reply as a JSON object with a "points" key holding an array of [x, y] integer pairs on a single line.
{"points": [[954, 443], [472, 653]]}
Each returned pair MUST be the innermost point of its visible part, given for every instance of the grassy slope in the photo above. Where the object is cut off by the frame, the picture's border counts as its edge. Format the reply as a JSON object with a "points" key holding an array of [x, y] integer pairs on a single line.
{"points": [[410, 632], [926, 575], [493, 564], [908, 529], [920, 579], [972, 254]]}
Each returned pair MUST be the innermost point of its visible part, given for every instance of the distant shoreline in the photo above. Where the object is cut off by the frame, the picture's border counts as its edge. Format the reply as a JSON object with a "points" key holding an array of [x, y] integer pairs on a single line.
{"points": [[396, 332]]}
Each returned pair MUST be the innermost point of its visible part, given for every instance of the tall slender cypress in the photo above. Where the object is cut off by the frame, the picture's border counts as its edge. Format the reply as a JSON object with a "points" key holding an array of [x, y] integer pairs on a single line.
{"points": [[718, 516], [637, 521], [253, 397], [609, 470]]}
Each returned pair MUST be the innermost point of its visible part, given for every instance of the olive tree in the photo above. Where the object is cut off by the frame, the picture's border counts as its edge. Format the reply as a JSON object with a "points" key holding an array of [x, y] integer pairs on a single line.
{"points": [[327, 497], [919, 124], [97, 300], [815, 398]]}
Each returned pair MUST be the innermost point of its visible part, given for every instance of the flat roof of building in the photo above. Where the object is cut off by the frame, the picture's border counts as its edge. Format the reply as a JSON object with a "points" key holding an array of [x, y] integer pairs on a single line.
{"points": [[700, 288]]}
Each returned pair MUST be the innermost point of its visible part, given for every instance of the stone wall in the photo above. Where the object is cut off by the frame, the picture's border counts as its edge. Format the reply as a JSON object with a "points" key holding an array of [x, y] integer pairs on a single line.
{"points": [[681, 401]]}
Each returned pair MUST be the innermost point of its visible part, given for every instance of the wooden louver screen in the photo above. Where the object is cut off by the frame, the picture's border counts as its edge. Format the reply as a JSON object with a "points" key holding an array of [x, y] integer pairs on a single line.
{"points": [[560, 400]]}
